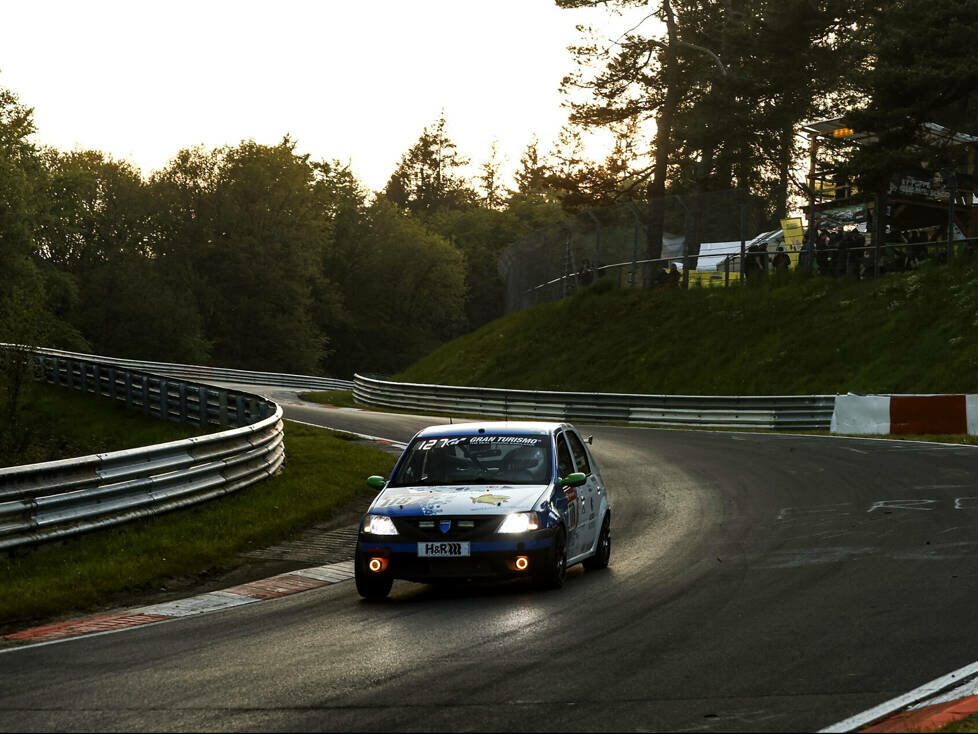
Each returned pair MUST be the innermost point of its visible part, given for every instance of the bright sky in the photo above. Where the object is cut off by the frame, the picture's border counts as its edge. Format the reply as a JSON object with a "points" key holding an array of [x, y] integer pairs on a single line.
{"points": [[353, 80]]}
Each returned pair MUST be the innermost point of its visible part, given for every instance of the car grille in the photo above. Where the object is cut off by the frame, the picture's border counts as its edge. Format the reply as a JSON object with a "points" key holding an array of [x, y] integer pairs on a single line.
{"points": [[462, 528]]}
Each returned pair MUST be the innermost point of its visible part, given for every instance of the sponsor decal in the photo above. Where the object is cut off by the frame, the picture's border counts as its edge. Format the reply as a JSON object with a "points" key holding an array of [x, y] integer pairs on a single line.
{"points": [[570, 494], [489, 499], [439, 443], [403, 500]]}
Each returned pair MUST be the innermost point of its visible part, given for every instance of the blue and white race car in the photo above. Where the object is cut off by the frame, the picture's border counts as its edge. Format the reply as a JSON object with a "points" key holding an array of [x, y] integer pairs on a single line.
{"points": [[485, 500]]}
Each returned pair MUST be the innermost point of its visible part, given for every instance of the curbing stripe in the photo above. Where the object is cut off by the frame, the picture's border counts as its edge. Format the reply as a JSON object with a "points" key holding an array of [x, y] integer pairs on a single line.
{"points": [[276, 586], [934, 687], [334, 573], [211, 602], [294, 582], [929, 718], [85, 626]]}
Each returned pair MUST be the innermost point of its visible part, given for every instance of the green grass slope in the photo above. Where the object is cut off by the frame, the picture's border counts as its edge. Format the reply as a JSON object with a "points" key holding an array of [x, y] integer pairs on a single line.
{"points": [[58, 423], [907, 332]]}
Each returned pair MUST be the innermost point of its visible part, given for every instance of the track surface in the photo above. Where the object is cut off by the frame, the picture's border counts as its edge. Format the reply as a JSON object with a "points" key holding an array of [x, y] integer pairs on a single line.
{"points": [[758, 582]]}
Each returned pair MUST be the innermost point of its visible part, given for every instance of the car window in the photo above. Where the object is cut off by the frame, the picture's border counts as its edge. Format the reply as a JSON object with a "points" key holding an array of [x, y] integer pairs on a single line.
{"points": [[564, 464], [477, 459], [580, 455]]}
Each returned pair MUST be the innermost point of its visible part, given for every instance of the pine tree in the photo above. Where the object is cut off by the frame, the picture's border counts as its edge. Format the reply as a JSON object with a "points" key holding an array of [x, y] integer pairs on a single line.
{"points": [[429, 174]]}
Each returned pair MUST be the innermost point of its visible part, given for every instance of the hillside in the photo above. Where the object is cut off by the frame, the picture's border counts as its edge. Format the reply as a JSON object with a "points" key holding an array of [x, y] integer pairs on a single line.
{"points": [[907, 332]]}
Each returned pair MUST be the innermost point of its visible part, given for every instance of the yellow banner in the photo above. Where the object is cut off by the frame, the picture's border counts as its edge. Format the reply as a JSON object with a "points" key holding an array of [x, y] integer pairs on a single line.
{"points": [[794, 233]]}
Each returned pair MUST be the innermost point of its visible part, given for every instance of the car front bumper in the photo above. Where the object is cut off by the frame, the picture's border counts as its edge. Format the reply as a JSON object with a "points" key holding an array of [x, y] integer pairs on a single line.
{"points": [[488, 558]]}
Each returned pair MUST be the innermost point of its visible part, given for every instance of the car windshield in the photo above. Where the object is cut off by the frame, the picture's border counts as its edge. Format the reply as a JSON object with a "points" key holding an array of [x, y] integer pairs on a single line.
{"points": [[478, 459]]}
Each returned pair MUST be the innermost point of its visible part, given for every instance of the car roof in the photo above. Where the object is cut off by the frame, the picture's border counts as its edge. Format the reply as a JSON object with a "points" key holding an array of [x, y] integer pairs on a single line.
{"points": [[509, 428]]}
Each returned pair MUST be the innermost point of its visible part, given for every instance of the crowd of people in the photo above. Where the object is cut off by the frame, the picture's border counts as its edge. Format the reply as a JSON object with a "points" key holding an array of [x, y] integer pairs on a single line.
{"points": [[833, 252], [840, 252]]}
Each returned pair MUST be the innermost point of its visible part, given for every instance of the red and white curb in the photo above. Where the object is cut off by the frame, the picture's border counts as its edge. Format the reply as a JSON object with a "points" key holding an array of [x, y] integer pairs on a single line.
{"points": [[905, 414], [929, 707], [274, 587]]}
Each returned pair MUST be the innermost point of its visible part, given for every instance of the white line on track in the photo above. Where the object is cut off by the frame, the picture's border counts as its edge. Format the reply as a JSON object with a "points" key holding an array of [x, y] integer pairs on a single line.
{"points": [[907, 699], [391, 441]]}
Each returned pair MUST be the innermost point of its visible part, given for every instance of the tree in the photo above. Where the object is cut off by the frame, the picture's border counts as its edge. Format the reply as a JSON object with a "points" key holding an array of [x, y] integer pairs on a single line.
{"points": [[489, 173], [428, 176], [916, 74], [403, 290], [247, 227], [725, 85], [26, 320], [532, 174]]}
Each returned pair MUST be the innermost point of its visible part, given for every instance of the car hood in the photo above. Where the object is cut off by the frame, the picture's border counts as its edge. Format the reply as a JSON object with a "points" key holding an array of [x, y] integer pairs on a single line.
{"points": [[482, 499]]}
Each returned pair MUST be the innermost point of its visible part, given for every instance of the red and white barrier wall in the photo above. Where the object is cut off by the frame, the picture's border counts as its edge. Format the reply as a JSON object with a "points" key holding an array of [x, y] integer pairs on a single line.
{"points": [[905, 414]]}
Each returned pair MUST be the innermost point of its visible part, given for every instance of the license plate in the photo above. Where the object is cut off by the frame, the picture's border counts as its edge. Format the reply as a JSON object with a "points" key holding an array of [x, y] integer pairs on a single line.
{"points": [[444, 549]]}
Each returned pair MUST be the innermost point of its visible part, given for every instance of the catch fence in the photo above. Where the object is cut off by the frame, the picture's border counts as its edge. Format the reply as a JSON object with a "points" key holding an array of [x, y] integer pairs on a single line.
{"points": [[713, 239]]}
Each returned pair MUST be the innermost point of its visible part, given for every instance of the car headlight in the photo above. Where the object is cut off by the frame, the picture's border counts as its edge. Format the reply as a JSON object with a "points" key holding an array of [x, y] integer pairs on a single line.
{"points": [[520, 522], [379, 525]]}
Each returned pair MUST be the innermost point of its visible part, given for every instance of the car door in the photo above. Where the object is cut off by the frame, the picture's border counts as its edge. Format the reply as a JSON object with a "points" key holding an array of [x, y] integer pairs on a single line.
{"points": [[589, 522], [572, 515]]}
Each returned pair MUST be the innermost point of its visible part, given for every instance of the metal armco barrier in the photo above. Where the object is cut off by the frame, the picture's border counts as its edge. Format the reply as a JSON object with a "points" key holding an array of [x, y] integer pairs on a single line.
{"points": [[200, 372], [58, 498], [812, 412]]}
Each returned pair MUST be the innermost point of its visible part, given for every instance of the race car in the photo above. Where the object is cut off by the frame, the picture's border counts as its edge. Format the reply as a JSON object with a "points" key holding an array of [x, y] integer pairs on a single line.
{"points": [[488, 500]]}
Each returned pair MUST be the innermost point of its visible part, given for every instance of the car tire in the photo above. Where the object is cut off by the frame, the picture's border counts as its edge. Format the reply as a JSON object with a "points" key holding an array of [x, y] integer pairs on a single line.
{"points": [[371, 586], [602, 554], [553, 575]]}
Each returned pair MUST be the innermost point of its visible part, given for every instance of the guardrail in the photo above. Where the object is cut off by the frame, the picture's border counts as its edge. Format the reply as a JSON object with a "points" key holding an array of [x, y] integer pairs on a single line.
{"points": [[57, 498], [201, 372], [810, 412]]}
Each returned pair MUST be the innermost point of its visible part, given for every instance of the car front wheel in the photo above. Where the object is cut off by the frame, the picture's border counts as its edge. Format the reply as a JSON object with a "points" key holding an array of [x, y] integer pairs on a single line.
{"points": [[553, 574], [602, 554]]}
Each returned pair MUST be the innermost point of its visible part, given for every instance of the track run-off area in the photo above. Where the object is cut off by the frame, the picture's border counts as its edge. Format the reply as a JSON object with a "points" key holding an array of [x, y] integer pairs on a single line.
{"points": [[758, 582]]}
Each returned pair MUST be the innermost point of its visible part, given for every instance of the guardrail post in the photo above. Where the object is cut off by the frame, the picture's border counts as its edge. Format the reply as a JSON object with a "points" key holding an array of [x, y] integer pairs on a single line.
{"points": [[202, 408], [239, 410], [222, 407], [183, 402], [145, 385], [164, 399]]}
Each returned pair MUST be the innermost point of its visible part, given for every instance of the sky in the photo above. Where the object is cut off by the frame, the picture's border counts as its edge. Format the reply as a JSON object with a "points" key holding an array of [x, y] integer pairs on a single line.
{"points": [[351, 80]]}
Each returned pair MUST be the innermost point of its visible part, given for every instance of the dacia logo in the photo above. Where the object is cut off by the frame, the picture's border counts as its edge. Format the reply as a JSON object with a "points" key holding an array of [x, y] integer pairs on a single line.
{"points": [[445, 526]]}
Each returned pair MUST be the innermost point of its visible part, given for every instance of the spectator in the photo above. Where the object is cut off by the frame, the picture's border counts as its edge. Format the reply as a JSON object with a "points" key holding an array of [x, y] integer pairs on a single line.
{"points": [[586, 274], [673, 276], [841, 258], [806, 256], [781, 262], [822, 257]]}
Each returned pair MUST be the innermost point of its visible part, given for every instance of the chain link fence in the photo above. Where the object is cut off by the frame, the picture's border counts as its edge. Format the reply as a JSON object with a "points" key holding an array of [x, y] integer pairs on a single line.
{"points": [[611, 242], [713, 239]]}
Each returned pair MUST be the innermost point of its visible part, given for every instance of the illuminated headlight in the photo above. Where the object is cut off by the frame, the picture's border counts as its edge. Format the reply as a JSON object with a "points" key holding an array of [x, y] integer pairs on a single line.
{"points": [[520, 522], [379, 525]]}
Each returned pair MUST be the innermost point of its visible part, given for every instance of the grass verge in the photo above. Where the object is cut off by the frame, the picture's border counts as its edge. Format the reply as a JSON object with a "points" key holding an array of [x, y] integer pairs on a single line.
{"points": [[962, 725], [57, 423], [905, 333], [322, 472], [336, 398]]}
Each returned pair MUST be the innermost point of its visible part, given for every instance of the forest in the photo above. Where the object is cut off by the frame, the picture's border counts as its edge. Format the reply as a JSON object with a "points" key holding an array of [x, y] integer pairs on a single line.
{"points": [[257, 257]]}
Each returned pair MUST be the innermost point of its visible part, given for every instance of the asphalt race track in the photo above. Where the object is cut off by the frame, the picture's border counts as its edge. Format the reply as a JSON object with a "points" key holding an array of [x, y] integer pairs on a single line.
{"points": [[758, 582]]}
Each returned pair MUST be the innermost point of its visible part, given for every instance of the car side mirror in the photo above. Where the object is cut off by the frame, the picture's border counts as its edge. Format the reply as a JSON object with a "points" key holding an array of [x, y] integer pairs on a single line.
{"points": [[575, 479], [376, 482]]}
